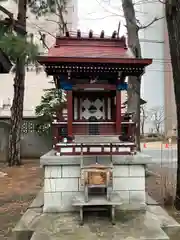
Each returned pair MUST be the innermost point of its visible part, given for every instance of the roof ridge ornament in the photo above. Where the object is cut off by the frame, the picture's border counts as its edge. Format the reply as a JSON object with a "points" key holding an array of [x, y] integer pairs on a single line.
{"points": [[90, 34], [102, 34], [114, 34]]}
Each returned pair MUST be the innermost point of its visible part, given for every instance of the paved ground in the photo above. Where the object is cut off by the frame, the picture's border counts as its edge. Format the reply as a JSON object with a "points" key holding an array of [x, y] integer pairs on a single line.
{"points": [[158, 145], [132, 226], [162, 156], [20, 185]]}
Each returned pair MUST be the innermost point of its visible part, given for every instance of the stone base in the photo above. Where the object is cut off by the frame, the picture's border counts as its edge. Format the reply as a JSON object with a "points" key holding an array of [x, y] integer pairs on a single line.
{"points": [[62, 180], [149, 225]]}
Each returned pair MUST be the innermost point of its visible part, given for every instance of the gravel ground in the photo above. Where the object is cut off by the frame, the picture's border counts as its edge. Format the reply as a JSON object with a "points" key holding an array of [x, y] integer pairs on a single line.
{"points": [[17, 189]]}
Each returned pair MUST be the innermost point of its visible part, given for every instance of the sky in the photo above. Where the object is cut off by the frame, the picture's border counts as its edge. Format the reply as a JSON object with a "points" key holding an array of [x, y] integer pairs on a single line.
{"points": [[101, 15], [105, 15]]}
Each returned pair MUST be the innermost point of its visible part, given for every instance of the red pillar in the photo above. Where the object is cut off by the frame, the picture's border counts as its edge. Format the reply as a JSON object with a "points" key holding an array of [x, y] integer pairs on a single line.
{"points": [[118, 112], [69, 112]]}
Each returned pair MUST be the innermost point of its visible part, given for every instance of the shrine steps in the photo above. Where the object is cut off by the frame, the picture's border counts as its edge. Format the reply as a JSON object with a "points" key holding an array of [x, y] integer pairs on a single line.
{"points": [[155, 224]]}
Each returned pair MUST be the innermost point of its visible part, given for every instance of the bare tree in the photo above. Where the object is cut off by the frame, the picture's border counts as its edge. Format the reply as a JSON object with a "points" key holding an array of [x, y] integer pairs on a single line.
{"points": [[157, 118], [133, 26], [144, 118]]}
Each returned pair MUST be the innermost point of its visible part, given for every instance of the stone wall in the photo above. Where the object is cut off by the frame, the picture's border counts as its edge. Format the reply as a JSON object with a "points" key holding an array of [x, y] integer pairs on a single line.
{"points": [[62, 182], [33, 145]]}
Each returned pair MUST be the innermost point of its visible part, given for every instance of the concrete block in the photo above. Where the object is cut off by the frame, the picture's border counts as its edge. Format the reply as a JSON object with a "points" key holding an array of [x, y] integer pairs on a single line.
{"points": [[38, 202], [22, 235], [59, 202], [70, 171], [61, 185], [40, 235], [51, 159], [52, 172], [52, 202], [26, 225], [136, 171], [125, 184], [81, 185], [124, 196], [67, 200], [121, 171], [137, 196]]}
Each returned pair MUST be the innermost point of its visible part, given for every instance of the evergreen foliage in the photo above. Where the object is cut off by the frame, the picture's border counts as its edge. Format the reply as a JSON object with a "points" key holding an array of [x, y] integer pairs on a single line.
{"points": [[51, 101], [43, 7], [15, 46]]}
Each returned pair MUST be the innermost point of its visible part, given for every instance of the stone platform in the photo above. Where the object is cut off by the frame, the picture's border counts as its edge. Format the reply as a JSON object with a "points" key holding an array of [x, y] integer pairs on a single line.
{"points": [[62, 179], [154, 224]]}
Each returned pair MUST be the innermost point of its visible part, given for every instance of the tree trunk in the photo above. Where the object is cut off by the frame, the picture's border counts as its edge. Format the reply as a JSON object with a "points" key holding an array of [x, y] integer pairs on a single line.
{"points": [[18, 100], [142, 127], [134, 83], [173, 23]]}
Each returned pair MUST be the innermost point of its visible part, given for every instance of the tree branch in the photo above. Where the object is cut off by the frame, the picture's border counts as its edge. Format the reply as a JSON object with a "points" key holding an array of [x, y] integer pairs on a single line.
{"points": [[149, 24], [11, 22], [60, 11], [42, 29], [42, 39], [5, 11], [162, 1]]}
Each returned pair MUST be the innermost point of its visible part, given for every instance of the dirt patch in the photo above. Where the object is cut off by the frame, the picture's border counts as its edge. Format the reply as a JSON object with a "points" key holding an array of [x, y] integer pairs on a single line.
{"points": [[17, 190]]}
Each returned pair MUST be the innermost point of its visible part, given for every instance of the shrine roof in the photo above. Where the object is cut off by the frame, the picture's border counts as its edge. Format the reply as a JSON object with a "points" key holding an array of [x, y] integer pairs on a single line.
{"points": [[91, 49]]}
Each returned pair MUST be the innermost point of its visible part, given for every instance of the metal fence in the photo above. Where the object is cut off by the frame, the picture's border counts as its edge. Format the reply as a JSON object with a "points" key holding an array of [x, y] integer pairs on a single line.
{"points": [[161, 174]]}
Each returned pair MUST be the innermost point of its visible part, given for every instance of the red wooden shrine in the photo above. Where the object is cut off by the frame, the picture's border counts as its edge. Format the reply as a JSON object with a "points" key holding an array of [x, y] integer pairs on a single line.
{"points": [[93, 72]]}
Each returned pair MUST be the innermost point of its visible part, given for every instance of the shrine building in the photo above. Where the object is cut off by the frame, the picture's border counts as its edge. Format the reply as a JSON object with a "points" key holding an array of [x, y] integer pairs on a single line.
{"points": [[94, 148], [93, 71]]}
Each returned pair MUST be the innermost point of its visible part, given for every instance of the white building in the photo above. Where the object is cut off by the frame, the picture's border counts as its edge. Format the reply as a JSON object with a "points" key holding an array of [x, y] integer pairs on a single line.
{"points": [[157, 87], [35, 83]]}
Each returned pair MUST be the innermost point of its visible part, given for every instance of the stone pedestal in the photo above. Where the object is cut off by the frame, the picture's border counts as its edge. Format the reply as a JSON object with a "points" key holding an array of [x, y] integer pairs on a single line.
{"points": [[62, 179]]}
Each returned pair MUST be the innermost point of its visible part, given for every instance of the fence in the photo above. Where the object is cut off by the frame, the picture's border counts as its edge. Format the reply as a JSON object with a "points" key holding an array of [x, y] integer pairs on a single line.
{"points": [[33, 145], [161, 175]]}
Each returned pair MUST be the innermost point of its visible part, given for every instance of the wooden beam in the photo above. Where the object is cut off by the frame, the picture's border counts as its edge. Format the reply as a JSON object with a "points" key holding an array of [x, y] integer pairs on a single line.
{"points": [[94, 86], [70, 112], [136, 61], [118, 112]]}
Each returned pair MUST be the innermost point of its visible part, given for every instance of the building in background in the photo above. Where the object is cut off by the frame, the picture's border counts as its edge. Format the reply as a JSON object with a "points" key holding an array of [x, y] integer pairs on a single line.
{"points": [[34, 83], [157, 84]]}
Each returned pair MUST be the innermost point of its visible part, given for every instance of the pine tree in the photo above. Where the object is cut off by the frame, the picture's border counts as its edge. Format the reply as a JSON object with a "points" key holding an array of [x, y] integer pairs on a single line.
{"points": [[51, 102], [13, 40]]}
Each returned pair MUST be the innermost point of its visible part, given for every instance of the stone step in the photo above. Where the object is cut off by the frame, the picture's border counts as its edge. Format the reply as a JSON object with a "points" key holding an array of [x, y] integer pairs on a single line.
{"points": [[165, 221], [130, 225], [96, 138], [65, 226]]}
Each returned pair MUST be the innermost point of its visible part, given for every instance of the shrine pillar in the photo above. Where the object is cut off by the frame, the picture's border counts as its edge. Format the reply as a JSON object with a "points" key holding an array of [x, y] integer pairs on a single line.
{"points": [[69, 112], [118, 112]]}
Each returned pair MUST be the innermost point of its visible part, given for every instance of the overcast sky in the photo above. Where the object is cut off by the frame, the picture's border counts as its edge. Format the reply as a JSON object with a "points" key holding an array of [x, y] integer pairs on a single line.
{"points": [[100, 16]]}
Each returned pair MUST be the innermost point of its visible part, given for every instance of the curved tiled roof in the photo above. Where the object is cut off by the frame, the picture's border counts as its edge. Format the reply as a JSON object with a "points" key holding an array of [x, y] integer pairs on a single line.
{"points": [[91, 49]]}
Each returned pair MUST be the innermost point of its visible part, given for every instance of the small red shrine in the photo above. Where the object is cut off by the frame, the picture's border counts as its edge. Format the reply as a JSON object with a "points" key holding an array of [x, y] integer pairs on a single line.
{"points": [[93, 73]]}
